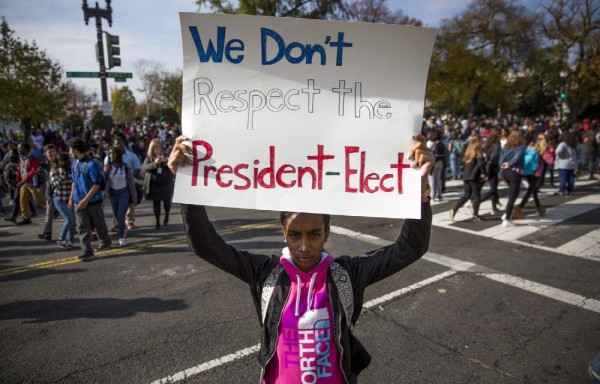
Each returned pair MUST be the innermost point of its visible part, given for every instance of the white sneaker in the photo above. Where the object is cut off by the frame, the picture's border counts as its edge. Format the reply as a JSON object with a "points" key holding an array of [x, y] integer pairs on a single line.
{"points": [[122, 242], [508, 223]]}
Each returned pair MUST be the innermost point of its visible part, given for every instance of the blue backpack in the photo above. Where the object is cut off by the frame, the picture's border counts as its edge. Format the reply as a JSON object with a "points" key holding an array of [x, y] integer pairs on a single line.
{"points": [[531, 162]]}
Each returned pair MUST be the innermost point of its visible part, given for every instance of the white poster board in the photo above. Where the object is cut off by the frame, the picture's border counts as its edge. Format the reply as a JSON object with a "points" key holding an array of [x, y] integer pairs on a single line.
{"points": [[302, 115]]}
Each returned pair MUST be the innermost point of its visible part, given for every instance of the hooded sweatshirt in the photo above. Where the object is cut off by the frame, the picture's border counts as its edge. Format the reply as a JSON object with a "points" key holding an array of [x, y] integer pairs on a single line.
{"points": [[306, 350]]}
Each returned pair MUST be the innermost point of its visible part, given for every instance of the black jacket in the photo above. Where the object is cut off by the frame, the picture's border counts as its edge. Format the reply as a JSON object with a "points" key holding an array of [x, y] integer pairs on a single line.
{"points": [[474, 169], [363, 271]]}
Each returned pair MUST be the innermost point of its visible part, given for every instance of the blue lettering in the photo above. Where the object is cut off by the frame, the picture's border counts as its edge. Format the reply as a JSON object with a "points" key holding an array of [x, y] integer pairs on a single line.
{"points": [[216, 54], [264, 33]]}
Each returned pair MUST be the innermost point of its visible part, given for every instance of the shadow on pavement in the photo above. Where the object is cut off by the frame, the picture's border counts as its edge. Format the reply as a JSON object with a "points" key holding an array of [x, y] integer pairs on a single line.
{"points": [[43, 311]]}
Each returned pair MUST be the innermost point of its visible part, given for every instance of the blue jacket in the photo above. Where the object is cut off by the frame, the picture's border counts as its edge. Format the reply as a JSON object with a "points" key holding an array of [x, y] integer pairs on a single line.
{"points": [[515, 157], [85, 178]]}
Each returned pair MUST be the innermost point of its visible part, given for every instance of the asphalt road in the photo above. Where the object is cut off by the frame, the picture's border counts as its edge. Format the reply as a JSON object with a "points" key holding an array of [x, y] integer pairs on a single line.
{"points": [[484, 306]]}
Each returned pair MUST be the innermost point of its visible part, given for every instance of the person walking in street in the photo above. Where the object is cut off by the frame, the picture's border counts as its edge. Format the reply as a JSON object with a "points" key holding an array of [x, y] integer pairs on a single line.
{"points": [[62, 182], [491, 152], [456, 149], [474, 169], [120, 188], [158, 181], [549, 157], [532, 170], [306, 286], [86, 198], [566, 163], [28, 166], [512, 159], [592, 148], [46, 165], [132, 161], [441, 157]]}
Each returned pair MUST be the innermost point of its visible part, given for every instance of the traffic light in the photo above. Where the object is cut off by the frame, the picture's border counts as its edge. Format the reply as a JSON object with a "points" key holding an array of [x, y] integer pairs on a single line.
{"points": [[563, 95], [113, 50]]}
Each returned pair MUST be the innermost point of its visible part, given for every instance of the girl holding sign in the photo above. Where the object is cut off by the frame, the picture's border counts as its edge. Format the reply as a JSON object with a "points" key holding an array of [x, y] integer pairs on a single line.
{"points": [[307, 300]]}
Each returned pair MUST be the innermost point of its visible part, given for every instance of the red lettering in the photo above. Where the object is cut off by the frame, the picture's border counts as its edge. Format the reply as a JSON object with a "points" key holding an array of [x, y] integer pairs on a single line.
{"points": [[400, 166], [303, 171], [269, 171], [236, 171], [350, 171], [386, 177], [226, 169], [196, 161], [207, 170], [369, 177], [285, 169], [320, 157]]}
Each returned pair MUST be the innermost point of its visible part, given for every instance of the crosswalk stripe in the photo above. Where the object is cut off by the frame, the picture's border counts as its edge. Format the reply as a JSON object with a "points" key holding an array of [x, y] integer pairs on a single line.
{"points": [[586, 246]]}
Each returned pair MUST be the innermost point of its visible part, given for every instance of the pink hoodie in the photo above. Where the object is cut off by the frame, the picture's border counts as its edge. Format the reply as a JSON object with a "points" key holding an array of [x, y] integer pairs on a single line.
{"points": [[306, 350]]}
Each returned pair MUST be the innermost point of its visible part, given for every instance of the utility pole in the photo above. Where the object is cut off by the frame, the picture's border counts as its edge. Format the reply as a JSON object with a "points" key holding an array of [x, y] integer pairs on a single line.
{"points": [[100, 13]]}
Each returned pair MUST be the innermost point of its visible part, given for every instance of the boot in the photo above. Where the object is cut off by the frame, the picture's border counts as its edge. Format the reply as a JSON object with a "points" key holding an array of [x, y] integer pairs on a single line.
{"points": [[518, 213], [541, 210]]}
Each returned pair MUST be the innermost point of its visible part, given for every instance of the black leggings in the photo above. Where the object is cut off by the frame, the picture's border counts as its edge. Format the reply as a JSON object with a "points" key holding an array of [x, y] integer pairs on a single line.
{"points": [[514, 186], [167, 205], [534, 187], [472, 189], [493, 192]]}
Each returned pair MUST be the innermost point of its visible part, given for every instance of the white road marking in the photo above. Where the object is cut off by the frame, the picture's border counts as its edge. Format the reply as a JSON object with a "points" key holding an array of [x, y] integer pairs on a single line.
{"points": [[455, 265], [208, 365], [586, 246], [545, 290]]}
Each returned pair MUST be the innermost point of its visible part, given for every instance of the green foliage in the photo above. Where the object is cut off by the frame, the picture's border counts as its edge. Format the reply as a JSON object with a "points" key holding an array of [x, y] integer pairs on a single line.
{"points": [[31, 86], [170, 93], [123, 105], [312, 9]]}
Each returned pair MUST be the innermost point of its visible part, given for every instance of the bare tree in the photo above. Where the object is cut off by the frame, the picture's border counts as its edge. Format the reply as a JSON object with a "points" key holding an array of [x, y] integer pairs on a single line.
{"points": [[149, 73]]}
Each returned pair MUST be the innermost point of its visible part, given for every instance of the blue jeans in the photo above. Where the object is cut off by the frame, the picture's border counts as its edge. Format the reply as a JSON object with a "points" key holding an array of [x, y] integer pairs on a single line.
{"points": [[119, 201], [455, 165], [67, 232], [566, 176]]}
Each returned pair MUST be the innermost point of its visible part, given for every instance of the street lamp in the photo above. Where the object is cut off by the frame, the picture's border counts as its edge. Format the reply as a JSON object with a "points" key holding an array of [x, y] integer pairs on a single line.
{"points": [[563, 95], [99, 13]]}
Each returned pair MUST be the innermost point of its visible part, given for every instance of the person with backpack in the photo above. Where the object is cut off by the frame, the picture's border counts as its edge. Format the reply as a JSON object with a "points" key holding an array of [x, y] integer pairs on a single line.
{"points": [[86, 198], [306, 299], [566, 163], [533, 169], [456, 149]]}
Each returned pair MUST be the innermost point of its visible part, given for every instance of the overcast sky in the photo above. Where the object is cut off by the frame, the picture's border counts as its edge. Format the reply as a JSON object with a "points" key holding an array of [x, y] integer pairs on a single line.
{"points": [[148, 29]]}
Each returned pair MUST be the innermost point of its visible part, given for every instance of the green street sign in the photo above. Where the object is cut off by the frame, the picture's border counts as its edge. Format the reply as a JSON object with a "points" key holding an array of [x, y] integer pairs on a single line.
{"points": [[120, 75], [84, 74]]}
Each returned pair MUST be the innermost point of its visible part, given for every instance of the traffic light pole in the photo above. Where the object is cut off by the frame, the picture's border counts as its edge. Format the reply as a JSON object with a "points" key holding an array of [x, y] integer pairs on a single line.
{"points": [[103, 75], [99, 13]]}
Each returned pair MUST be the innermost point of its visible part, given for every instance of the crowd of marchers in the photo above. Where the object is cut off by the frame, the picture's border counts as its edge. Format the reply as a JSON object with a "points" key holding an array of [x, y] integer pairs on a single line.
{"points": [[523, 153], [74, 172]]}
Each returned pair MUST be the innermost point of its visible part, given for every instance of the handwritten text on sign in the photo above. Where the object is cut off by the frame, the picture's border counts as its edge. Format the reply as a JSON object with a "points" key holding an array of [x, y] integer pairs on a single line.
{"points": [[302, 115]]}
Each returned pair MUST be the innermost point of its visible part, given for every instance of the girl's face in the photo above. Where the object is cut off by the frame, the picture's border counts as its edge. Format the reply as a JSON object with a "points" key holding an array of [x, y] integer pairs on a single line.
{"points": [[305, 235], [112, 156], [157, 151]]}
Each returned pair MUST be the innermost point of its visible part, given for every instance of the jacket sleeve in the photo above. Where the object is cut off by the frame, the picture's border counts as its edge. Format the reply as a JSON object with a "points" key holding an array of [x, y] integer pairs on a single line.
{"points": [[412, 243], [149, 165], [32, 167], [131, 185], [206, 243]]}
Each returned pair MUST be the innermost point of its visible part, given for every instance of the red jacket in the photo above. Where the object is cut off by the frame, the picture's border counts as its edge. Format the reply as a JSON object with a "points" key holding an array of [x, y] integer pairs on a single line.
{"points": [[32, 165]]}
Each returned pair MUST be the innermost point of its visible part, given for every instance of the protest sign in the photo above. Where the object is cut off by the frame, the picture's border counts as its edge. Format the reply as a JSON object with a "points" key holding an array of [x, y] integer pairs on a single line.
{"points": [[302, 115]]}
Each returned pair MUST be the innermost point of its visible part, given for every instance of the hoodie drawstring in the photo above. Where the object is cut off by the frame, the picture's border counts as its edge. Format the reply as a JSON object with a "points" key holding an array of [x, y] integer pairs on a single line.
{"points": [[309, 297], [298, 293]]}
